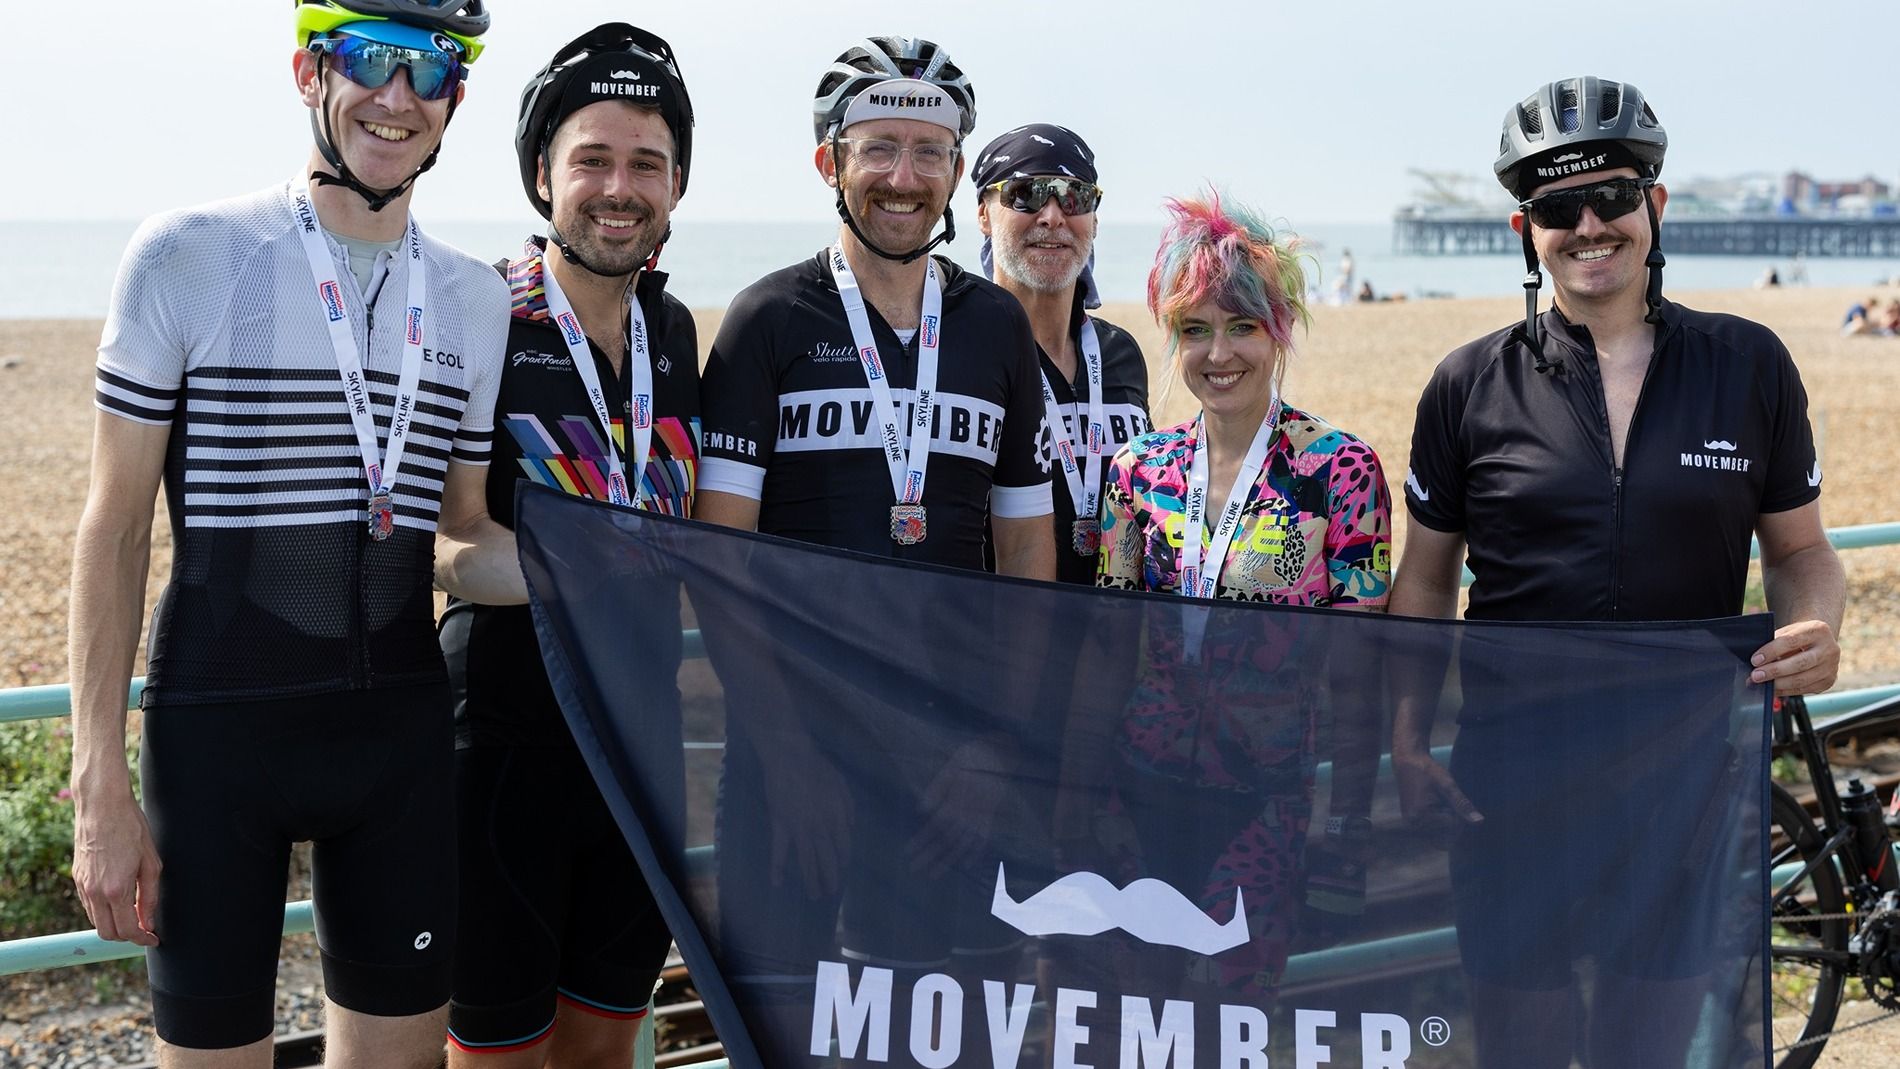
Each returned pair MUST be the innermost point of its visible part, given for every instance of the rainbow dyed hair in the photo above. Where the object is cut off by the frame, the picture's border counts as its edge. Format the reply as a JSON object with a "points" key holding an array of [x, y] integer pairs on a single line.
{"points": [[1228, 254]]}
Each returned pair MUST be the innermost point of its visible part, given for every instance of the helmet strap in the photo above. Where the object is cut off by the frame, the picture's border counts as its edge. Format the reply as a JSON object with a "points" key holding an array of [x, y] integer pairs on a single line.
{"points": [[1653, 296], [844, 212], [1532, 332]]}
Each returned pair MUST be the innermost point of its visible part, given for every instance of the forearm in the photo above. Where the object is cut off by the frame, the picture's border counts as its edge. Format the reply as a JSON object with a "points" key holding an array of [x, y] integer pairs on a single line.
{"points": [[477, 563], [1807, 585], [110, 564], [1026, 548]]}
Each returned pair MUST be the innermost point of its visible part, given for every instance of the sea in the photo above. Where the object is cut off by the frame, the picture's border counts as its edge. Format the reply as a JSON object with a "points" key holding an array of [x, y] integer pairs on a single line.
{"points": [[710, 262]]}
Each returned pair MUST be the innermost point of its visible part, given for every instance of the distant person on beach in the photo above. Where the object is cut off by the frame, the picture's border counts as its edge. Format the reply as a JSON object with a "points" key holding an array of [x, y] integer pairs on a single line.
{"points": [[1036, 199], [312, 381], [1365, 294], [561, 942], [879, 399], [1342, 283], [1665, 438], [1860, 318]]}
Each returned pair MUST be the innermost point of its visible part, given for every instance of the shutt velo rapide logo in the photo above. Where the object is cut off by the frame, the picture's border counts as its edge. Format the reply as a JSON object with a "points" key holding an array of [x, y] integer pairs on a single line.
{"points": [[851, 1022]]}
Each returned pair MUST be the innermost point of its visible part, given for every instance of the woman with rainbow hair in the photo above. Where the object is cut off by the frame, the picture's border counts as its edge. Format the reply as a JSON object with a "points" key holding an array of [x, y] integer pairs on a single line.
{"points": [[1299, 508], [1300, 515]]}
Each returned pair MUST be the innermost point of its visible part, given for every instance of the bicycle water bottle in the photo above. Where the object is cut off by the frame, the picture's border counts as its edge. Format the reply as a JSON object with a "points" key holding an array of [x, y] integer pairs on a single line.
{"points": [[1860, 806]]}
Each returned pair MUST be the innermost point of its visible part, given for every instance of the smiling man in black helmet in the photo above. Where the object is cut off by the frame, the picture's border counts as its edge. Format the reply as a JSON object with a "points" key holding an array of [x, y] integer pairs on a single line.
{"points": [[561, 942], [910, 340], [311, 378], [1607, 460]]}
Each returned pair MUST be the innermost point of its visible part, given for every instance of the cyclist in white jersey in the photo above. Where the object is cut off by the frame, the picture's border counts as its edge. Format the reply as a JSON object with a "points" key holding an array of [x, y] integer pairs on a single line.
{"points": [[312, 379]]}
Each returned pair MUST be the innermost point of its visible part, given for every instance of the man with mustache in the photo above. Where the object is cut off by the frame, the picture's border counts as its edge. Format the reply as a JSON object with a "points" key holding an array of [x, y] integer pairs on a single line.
{"points": [[878, 399], [561, 942], [1607, 460], [1036, 200]]}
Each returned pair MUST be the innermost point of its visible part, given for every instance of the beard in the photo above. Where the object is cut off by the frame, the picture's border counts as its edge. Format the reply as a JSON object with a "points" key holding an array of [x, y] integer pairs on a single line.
{"points": [[1014, 260], [613, 255]]}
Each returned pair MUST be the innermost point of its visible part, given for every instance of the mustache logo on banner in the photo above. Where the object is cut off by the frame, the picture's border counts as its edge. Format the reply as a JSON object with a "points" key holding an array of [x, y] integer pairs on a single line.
{"points": [[1083, 903]]}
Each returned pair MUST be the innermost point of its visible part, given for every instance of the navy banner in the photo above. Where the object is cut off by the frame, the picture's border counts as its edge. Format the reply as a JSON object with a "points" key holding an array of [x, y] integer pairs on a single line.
{"points": [[904, 815]]}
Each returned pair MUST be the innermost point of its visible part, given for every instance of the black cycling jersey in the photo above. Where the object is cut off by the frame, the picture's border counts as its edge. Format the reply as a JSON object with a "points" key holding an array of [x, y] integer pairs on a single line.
{"points": [[1125, 399], [790, 419], [1520, 463], [546, 432]]}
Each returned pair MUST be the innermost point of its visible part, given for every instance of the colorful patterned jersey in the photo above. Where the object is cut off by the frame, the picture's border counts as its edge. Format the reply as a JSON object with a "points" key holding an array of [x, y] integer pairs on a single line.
{"points": [[1316, 529]]}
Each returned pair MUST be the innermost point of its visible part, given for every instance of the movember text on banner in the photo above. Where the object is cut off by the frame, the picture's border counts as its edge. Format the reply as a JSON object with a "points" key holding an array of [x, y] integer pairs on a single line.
{"points": [[906, 815]]}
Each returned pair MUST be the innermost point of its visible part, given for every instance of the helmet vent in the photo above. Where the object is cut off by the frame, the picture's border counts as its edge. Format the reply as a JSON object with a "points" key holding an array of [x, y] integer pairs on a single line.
{"points": [[1534, 120], [1609, 103], [1567, 119], [1648, 117]]}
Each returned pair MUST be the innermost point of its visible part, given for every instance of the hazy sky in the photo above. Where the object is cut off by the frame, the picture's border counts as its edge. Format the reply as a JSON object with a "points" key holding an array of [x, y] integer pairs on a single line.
{"points": [[1313, 112]]}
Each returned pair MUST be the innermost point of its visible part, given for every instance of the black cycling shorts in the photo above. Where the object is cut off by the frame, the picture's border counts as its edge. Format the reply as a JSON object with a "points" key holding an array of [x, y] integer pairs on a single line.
{"points": [[554, 908], [363, 775]]}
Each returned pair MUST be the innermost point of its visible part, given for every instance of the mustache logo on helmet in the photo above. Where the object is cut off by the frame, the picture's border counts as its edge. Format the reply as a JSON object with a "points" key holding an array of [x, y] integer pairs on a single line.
{"points": [[1083, 903]]}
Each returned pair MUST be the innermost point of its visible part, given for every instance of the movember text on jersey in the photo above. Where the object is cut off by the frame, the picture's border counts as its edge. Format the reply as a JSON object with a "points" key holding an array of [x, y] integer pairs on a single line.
{"points": [[1087, 1028], [812, 420]]}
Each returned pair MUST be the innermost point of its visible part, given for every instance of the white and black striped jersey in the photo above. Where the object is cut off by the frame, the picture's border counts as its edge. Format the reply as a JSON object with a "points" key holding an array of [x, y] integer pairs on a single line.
{"points": [[216, 329]]}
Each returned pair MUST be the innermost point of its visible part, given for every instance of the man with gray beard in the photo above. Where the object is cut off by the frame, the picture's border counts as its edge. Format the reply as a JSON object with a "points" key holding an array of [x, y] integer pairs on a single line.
{"points": [[1036, 201]]}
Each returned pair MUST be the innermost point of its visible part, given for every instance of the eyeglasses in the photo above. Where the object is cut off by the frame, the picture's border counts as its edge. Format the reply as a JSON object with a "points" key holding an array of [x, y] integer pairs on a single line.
{"points": [[1072, 195], [1610, 199], [434, 75], [878, 156]]}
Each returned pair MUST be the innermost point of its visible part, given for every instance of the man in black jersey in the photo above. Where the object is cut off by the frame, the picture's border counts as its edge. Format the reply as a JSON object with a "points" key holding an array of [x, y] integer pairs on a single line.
{"points": [[877, 399], [561, 943], [1036, 199], [312, 379], [1607, 460]]}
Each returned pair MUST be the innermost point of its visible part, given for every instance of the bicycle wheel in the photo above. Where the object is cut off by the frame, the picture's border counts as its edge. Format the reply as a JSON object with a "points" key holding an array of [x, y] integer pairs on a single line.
{"points": [[1804, 987]]}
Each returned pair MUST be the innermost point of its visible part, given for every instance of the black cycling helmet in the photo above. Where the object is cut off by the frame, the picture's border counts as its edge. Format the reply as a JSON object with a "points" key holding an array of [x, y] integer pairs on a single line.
{"points": [[460, 22], [879, 59], [607, 54], [1576, 126], [1578, 115], [934, 91]]}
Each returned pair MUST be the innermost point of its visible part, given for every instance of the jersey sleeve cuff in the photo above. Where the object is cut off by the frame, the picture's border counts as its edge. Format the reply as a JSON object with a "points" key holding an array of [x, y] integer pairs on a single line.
{"points": [[1021, 502], [731, 477], [136, 401], [1441, 524]]}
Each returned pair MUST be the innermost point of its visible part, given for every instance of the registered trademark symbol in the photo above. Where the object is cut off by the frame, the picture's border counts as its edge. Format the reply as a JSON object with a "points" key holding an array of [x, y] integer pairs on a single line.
{"points": [[1435, 1030]]}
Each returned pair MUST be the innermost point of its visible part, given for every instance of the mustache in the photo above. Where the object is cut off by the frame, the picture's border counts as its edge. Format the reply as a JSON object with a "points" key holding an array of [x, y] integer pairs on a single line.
{"points": [[1083, 903]]}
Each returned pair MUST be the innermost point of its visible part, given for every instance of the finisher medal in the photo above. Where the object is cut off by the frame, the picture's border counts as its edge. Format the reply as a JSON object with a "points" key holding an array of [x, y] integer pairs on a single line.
{"points": [[907, 524], [1085, 537], [382, 515]]}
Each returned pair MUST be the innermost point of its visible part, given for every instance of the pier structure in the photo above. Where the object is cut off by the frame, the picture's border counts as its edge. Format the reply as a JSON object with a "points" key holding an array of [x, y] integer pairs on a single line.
{"points": [[1474, 233]]}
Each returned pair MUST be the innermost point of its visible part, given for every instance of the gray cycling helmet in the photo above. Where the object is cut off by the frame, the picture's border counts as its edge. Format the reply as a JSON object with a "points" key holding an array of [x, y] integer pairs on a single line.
{"points": [[1591, 122], [880, 59]]}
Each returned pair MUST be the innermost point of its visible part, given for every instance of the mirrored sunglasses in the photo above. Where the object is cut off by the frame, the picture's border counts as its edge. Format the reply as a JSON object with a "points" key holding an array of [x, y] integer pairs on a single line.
{"points": [[433, 75], [1610, 199], [1072, 195]]}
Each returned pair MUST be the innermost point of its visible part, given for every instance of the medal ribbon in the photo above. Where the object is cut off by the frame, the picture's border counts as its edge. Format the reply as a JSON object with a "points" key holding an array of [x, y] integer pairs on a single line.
{"points": [[1198, 581], [621, 489], [907, 466], [378, 469], [1085, 484]]}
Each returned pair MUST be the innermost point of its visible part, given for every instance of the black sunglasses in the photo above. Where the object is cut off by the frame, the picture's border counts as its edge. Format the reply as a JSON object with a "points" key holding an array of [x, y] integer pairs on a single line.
{"points": [[1072, 195], [1612, 198]]}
